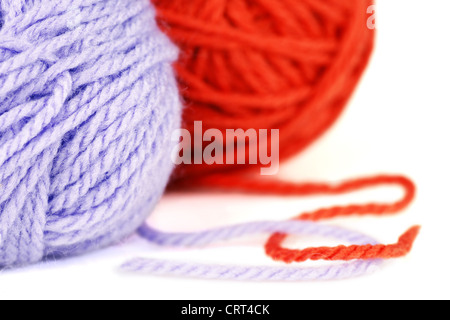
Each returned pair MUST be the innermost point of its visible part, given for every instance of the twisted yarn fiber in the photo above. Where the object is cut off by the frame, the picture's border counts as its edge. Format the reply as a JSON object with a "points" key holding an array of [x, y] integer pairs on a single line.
{"points": [[87, 104], [254, 273]]}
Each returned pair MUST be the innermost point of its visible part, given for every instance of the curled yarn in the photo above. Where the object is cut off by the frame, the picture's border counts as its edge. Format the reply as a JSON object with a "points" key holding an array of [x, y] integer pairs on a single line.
{"points": [[365, 253], [88, 101], [235, 181]]}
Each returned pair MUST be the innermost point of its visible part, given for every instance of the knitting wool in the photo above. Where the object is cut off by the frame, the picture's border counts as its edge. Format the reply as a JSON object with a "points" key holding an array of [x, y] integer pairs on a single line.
{"points": [[261, 64], [88, 101]]}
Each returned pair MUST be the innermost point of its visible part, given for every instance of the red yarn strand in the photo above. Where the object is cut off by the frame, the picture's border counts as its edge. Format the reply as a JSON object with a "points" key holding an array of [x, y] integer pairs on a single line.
{"points": [[237, 182], [400, 249]]}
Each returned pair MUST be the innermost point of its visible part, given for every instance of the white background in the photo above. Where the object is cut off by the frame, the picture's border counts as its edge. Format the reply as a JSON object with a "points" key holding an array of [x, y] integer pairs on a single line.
{"points": [[397, 122]]}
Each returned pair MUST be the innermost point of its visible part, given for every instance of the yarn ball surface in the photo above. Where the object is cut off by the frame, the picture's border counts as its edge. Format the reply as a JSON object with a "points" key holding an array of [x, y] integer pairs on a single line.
{"points": [[290, 65], [88, 102]]}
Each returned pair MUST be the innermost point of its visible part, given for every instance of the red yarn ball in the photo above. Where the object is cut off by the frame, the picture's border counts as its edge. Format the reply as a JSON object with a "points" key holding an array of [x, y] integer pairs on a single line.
{"points": [[289, 64]]}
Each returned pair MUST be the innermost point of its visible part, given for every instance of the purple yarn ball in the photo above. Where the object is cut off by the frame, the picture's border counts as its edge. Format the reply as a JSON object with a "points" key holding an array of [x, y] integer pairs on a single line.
{"points": [[88, 103]]}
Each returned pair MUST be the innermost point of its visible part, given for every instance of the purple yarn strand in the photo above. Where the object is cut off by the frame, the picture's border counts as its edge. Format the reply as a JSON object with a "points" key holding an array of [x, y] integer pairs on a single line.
{"points": [[203, 238], [251, 273]]}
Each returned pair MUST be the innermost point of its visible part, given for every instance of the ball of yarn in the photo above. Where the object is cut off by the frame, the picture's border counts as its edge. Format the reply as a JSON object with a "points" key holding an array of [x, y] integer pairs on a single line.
{"points": [[262, 64], [88, 101]]}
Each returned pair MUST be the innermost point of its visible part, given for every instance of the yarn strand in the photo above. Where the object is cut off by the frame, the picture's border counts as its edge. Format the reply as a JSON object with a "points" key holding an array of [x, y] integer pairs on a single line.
{"points": [[254, 273], [366, 253], [397, 250], [237, 182], [251, 273]]}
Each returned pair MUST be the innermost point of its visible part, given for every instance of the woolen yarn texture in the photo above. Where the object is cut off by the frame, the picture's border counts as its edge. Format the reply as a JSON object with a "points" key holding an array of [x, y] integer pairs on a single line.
{"points": [[88, 102]]}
